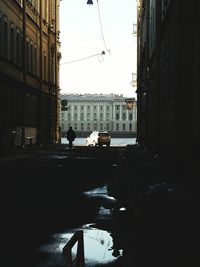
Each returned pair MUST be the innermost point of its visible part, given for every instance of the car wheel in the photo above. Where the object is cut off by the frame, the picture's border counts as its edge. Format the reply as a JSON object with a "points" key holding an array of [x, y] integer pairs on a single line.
{"points": [[108, 144]]}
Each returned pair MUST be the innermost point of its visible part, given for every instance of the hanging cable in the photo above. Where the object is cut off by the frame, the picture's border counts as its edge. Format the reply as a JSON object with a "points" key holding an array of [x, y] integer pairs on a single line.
{"points": [[99, 56], [101, 27]]}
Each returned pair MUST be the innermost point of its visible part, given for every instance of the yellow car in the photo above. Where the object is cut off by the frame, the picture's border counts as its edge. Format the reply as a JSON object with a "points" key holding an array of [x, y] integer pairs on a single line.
{"points": [[97, 138]]}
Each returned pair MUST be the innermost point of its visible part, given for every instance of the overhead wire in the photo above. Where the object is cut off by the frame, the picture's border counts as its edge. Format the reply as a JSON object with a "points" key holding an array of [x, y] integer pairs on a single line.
{"points": [[99, 56], [101, 28]]}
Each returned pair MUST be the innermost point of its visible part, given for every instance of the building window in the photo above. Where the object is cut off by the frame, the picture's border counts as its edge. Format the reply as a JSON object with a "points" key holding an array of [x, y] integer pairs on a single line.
{"points": [[31, 58], [95, 116], [45, 10], [88, 126], [130, 117], [69, 107], [101, 108], [95, 108], [35, 61], [95, 126], [52, 76], [75, 107], [107, 127], [88, 116], [75, 126], [82, 107], [124, 126], [117, 107], [12, 43], [107, 108], [130, 126], [82, 116], [117, 116], [27, 55], [88, 107], [101, 126], [45, 67], [124, 107], [5, 39], [101, 116], [107, 116], [81, 126], [117, 126], [18, 49], [75, 116], [69, 116], [124, 116]]}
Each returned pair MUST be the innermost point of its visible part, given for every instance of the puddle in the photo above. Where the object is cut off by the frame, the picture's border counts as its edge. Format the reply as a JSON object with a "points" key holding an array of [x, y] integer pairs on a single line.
{"points": [[97, 191], [56, 157], [98, 248], [100, 192]]}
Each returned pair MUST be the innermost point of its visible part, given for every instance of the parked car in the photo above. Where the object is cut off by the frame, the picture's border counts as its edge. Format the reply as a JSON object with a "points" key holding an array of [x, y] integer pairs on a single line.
{"points": [[97, 138]]}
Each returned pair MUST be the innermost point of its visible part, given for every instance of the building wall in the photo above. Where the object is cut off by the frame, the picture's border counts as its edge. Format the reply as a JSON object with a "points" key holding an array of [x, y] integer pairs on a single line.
{"points": [[168, 104], [86, 113], [29, 52]]}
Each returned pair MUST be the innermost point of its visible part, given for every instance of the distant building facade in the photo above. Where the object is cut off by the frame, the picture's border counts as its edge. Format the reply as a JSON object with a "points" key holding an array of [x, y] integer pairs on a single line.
{"points": [[89, 112], [29, 66]]}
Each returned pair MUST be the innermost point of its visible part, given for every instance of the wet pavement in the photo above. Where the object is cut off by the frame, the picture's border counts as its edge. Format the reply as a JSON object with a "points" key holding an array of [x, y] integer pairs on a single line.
{"points": [[49, 194], [98, 243], [131, 211]]}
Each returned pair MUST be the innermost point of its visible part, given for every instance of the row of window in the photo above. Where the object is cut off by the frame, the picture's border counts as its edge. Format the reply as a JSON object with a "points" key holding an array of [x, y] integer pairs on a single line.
{"points": [[11, 41], [33, 2], [12, 46], [94, 117], [117, 107], [35, 5], [91, 127]]}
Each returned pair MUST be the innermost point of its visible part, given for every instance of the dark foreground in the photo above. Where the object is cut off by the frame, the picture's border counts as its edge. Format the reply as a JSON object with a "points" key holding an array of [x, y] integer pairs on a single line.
{"points": [[42, 193]]}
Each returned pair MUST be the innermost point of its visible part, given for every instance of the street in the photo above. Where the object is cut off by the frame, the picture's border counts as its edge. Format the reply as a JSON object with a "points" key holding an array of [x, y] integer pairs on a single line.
{"points": [[42, 193], [49, 194]]}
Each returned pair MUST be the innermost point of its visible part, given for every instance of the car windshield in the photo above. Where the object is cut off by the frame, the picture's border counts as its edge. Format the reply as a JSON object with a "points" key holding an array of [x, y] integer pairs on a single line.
{"points": [[103, 134]]}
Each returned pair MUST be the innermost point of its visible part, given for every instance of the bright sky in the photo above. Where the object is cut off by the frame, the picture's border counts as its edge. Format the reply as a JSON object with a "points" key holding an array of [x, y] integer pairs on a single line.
{"points": [[81, 37]]}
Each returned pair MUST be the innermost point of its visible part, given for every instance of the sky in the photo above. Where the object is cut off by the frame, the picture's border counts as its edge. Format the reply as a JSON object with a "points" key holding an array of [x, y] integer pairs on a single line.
{"points": [[88, 30]]}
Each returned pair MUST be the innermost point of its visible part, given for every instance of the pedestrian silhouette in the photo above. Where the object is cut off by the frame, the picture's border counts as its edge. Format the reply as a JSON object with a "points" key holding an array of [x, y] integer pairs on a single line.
{"points": [[71, 135]]}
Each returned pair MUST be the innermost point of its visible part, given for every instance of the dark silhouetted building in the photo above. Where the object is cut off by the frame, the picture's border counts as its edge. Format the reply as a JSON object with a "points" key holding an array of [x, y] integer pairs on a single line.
{"points": [[168, 81]]}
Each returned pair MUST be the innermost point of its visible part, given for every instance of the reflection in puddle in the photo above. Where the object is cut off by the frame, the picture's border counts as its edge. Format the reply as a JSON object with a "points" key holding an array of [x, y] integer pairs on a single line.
{"points": [[100, 192], [56, 157], [98, 244], [97, 247]]}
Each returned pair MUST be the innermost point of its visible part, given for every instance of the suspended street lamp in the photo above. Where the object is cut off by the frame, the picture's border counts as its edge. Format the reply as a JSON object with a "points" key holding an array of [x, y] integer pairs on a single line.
{"points": [[89, 2]]}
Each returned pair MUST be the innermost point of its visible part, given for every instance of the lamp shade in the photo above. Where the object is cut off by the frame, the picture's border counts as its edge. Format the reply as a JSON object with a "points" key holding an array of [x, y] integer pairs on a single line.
{"points": [[89, 2]]}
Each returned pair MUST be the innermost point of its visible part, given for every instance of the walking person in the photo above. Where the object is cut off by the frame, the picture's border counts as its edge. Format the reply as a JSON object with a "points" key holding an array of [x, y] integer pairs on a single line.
{"points": [[71, 135]]}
